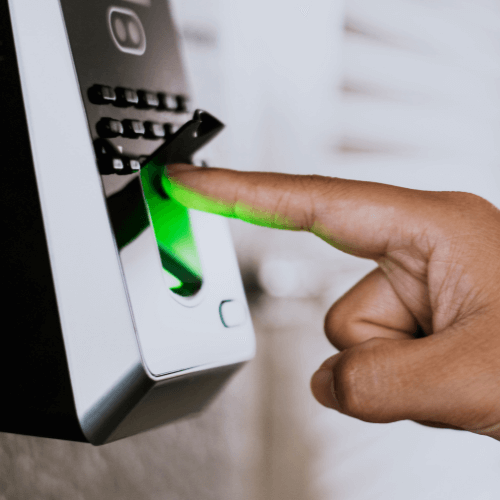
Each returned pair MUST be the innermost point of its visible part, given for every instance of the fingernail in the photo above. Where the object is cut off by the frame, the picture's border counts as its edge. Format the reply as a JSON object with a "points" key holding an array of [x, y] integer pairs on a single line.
{"points": [[334, 400]]}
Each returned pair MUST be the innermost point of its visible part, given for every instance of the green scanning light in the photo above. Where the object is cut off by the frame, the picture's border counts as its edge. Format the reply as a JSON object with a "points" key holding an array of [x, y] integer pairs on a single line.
{"points": [[174, 236], [238, 210]]}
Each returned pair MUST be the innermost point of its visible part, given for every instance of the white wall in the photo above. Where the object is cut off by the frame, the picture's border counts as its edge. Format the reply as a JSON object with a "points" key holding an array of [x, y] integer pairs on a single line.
{"points": [[397, 91]]}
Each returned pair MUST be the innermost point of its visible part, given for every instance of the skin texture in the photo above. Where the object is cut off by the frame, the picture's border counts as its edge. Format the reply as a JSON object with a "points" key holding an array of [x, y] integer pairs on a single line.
{"points": [[438, 256]]}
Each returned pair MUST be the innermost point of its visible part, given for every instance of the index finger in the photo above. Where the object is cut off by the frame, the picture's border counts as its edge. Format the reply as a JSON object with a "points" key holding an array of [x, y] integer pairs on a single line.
{"points": [[357, 217]]}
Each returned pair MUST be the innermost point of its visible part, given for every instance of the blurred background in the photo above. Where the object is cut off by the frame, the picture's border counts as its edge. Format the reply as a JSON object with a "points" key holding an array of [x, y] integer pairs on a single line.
{"points": [[405, 92]]}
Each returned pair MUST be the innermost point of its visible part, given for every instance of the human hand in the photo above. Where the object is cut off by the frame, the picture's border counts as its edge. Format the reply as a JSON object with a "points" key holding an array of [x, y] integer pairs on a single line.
{"points": [[438, 256]]}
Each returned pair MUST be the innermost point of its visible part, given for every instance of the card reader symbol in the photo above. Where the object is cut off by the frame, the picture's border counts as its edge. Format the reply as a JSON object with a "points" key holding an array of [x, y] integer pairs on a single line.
{"points": [[126, 30]]}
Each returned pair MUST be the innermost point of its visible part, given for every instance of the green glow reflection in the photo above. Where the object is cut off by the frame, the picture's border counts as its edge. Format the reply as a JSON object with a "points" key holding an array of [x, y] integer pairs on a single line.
{"points": [[172, 228]]}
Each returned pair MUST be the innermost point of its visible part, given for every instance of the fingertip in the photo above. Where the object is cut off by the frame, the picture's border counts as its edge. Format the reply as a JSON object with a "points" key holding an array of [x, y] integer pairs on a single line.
{"points": [[329, 363], [184, 176], [193, 187], [178, 184]]}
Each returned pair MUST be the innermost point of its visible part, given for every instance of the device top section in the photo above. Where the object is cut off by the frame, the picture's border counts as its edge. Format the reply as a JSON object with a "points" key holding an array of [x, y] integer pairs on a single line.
{"points": [[125, 45], [130, 73]]}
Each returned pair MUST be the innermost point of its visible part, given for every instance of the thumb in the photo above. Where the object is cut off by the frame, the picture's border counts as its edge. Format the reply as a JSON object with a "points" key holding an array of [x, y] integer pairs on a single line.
{"points": [[386, 380]]}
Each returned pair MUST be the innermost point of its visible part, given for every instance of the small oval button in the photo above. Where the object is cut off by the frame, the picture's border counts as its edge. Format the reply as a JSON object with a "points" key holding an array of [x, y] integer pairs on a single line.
{"points": [[232, 313], [101, 94], [126, 97], [133, 128], [147, 100], [107, 127]]}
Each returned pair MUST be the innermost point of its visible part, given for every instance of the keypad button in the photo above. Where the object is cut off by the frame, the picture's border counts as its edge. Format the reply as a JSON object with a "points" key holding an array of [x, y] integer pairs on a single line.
{"points": [[168, 128], [174, 127], [102, 149], [148, 100], [154, 130], [126, 97], [107, 127], [133, 128], [132, 165], [117, 165], [111, 165], [101, 94], [182, 104], [168, 101]]}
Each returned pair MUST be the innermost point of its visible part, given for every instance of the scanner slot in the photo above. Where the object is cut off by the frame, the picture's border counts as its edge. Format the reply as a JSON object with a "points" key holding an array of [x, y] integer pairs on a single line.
{"points": [[143, 202]]}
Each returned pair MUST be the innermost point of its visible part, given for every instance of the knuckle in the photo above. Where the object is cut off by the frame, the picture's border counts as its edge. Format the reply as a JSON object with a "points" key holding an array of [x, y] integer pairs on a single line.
{"points": [[339, 322], [458, 214], [464, 198], [356, 383], [348, 386], [468, 204], [334, 319]]}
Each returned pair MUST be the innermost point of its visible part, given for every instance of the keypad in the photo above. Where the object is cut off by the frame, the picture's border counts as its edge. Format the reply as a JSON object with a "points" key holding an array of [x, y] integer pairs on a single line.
{"points": [[133, 129], [110, 157], [141, 99]]}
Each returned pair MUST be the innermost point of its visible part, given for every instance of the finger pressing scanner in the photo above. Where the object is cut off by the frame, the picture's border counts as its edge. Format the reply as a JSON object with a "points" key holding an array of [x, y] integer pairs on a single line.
{"points": [[123, 310]]}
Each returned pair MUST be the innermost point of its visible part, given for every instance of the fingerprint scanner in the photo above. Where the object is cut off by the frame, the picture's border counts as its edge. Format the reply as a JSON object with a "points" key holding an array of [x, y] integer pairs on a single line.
{"points": [[174, 235]]}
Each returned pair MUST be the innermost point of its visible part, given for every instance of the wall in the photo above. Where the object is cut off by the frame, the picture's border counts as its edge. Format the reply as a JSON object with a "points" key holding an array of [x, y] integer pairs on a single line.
{"points": [[397, 91], [212, 456]]}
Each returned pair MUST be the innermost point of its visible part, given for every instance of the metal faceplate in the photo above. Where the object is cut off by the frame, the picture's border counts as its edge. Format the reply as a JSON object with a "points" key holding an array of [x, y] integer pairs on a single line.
{"points": [[135, 47]]}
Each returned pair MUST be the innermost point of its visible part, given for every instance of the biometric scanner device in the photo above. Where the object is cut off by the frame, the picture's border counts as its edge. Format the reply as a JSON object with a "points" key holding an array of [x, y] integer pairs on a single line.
{"points": [[122, 309]]}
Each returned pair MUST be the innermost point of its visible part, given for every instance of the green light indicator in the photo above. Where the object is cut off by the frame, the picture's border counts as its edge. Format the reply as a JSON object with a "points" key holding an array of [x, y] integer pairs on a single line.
{"points": [[174, 236]]}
